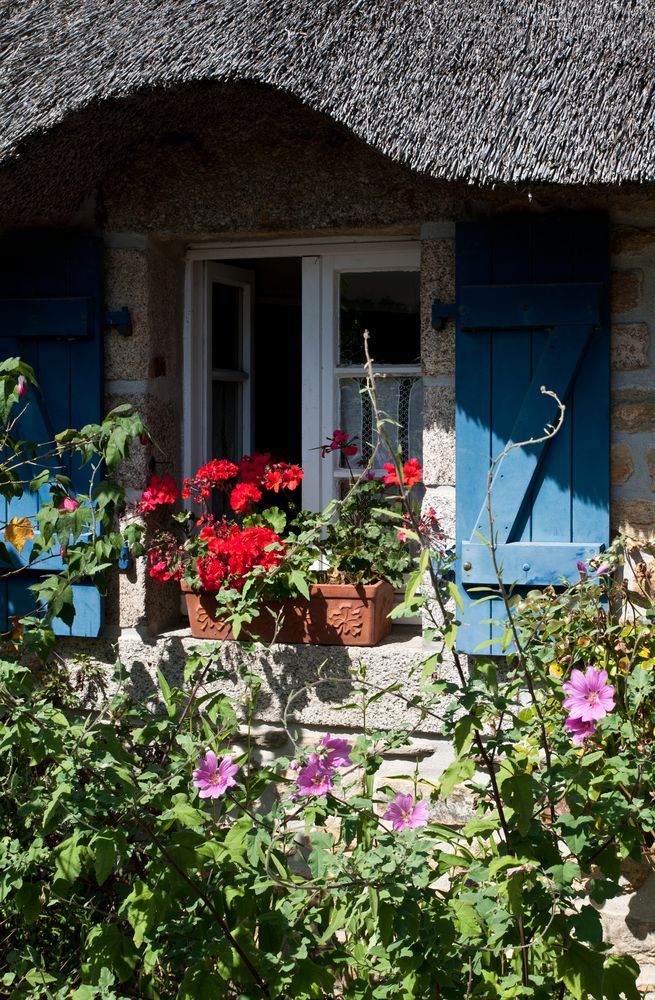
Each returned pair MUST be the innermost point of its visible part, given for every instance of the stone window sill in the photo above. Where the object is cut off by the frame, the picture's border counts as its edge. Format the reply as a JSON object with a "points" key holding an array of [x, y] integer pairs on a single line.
{"points": [[399, 635]]}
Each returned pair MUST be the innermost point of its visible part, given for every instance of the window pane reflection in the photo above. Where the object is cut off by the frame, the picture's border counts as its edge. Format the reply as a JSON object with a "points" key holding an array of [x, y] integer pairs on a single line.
{"points": [[386, 303]]}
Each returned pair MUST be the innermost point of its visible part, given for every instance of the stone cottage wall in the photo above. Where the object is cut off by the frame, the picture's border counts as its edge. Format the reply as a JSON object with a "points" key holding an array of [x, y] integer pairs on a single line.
{"points": [[243, 162], [633, 378]]}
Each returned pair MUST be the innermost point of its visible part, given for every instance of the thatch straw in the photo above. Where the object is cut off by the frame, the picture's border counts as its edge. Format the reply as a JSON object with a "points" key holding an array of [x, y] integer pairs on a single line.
{"points": [[495, 91]]}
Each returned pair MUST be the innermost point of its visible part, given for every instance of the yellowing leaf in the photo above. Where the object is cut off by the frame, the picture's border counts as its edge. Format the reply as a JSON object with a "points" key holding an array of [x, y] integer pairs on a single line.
{"points": [[19, 531]]}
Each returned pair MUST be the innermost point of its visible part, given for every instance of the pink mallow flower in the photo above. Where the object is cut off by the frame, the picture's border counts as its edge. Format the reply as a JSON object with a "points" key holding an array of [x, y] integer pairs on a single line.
{"points": [[590, 696], [212, 778], [405, 814], [68, 504], [338, 751], [22, 385], [316, 778], [579, 730]]}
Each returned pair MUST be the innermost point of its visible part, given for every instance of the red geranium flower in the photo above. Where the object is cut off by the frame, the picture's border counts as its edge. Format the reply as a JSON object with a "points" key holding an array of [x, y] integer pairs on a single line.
{"points": [[252, 468], [243, 496], [283, 476], [412, 472], [159, 493], [274, 480], [293, 476], [214, 473], [339, 442], [391, 478], [163, 559], [234, 553]]}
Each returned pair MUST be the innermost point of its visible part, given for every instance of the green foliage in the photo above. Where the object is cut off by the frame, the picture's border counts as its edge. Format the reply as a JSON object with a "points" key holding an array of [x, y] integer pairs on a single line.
{"points": [[80, 527], [118, 880]]}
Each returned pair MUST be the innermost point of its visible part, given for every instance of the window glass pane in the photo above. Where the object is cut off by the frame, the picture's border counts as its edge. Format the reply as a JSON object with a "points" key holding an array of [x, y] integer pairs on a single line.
{"points": [[226, 326], [386, 303], [226, 440], [401, 399]]}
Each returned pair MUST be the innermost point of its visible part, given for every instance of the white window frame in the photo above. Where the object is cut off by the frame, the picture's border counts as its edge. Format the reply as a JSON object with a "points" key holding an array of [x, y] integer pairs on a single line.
{"points": [[323, 260]]}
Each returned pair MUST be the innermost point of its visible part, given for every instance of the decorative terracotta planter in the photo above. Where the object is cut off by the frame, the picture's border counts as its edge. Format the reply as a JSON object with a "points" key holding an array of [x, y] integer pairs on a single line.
{"points": [[334, 615]]}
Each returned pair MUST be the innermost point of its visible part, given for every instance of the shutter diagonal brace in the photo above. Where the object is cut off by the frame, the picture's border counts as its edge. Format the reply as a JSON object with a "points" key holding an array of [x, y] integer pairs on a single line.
{"points": [[556, 370], [495, 307]]}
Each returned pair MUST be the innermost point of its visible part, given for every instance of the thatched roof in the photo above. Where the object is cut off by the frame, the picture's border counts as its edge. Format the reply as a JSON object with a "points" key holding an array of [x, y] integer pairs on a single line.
{"points": [[488, 91]]}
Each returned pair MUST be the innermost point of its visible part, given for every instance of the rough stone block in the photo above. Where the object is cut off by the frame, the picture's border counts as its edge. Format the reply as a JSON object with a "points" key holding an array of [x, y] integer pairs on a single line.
{"points": [[629, 924], [126, 284], [437, 282], [650, 463], [149, 283], [630, 239], [625, 293], [304, 684], [635, 519], [622, 465], [439, 436], [633, 409], [161, 414], [630, 344], [442, 499]]}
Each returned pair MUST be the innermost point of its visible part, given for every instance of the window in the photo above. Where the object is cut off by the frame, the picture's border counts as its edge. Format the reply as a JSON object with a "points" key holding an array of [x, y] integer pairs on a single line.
{"points": [[274, 355]]}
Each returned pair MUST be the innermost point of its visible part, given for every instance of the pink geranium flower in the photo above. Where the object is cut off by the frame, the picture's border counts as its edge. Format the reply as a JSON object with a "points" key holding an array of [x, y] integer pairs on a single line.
{"points": [[590, 696], [405, 814], [579, 730], [316, 778], [338, 751], [68, 504], [212, 778]]}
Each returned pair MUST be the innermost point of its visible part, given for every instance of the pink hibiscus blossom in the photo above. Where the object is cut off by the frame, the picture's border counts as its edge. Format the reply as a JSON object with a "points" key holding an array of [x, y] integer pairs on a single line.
{"points": [[316, 778], [212, 778], [590, 696], [338, 751], [405, 814], [68, 504], [579, 730]]}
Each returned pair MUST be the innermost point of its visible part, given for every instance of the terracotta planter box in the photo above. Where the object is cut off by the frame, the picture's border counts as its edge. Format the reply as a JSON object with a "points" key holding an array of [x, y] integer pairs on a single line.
{"points": [[334, 615]]}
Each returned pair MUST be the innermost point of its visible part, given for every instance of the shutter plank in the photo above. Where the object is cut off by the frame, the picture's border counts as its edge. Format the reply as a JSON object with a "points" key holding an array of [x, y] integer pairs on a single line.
{"points": [[515, 474], [473, 435]]}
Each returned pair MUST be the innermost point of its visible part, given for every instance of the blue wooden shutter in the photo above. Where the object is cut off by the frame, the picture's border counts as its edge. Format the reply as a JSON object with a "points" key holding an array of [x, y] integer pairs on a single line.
{"points": [[532, 310], [51, 303]]}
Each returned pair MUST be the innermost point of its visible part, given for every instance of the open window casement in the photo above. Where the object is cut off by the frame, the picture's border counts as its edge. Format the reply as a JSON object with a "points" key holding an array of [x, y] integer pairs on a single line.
{"points": [[274, 356], [51, 301], [532, 310]]}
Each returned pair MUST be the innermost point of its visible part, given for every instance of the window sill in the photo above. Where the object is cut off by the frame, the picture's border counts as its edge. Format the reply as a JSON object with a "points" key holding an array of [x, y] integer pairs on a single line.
{"points": [[405, 636]]}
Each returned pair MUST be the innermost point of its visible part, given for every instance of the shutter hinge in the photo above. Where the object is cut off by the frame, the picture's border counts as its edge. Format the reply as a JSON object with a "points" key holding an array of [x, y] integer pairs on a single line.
{"points": [[125, 560], [119, 320], [441, 311]]}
